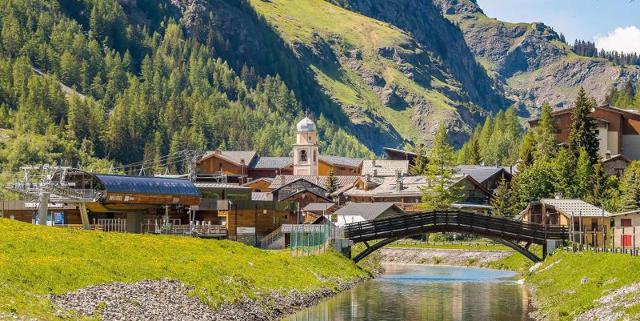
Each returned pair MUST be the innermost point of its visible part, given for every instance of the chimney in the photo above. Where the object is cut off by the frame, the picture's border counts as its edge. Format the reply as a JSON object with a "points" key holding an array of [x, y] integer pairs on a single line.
{"points": [[367, 178], [375, 172], [398, 182], [557, 195], [217, 152], [373, 163], [607, 155]]}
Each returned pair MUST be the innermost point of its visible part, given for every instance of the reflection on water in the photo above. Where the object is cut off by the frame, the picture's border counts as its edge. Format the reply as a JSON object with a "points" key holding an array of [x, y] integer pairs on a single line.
{"points": [[427, 293]]}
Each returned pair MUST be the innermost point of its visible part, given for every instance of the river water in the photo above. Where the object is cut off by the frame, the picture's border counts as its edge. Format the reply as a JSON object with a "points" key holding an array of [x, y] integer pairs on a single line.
{"points": [[418, 292]]}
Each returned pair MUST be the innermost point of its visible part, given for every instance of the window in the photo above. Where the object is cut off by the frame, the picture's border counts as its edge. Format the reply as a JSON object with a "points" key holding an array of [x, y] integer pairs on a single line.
{"points": [[314, 155], [303, 156], [625, 222]]}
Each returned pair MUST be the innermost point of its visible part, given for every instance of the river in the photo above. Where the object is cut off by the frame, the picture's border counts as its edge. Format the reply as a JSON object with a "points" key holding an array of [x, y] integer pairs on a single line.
{"points": [[418, 292]]}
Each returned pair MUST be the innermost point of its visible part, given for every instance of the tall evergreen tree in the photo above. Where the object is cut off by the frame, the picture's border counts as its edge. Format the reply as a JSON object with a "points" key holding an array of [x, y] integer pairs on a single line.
{"points": [[503, 200], [419, 166], [546, 144], [582, 132]]}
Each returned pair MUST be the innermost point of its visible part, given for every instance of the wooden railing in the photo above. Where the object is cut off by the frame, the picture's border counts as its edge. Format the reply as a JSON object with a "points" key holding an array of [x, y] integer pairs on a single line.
{"points": [[453, 221]]}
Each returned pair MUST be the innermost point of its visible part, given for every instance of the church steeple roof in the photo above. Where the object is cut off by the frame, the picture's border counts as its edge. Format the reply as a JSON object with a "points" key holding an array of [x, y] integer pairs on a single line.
{"points": [[306, 125]]}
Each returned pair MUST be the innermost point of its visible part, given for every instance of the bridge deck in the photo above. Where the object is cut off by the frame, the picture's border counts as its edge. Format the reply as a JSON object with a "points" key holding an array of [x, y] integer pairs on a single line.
{"points": [[453, 221]]}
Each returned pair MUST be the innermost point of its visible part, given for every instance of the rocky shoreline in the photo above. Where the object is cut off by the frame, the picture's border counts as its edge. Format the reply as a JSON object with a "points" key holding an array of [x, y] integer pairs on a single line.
{"points": [[169, 300], [440, 256]]}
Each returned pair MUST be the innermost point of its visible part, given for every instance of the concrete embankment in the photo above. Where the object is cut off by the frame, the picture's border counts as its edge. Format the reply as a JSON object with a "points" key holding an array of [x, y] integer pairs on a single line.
{"points": [[440, 256]]}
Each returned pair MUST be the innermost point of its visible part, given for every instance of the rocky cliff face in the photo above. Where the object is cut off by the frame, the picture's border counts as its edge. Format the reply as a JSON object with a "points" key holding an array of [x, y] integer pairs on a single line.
{"points": [[390, 72], [530, 61]]}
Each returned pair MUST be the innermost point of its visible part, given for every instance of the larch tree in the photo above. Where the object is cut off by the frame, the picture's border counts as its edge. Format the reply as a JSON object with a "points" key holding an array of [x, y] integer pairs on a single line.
{"points": [[503, 201], [332, 182], [441, 190], [546, 144], [631, 187], [420, 162]]}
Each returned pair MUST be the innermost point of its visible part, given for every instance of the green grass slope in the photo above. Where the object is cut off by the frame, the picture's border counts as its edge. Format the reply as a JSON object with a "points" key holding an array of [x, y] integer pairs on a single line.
{"points": [[568, 284], [36, 261], [345, 50]]}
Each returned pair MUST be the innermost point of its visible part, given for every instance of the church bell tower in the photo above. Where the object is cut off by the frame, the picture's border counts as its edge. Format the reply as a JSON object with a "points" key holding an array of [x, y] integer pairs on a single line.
{"points": [[305, 150]]}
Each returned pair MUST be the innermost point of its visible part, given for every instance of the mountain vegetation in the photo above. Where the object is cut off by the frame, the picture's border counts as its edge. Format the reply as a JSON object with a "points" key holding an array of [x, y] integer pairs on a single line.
{"points": [[588, 49], [98, 83]]}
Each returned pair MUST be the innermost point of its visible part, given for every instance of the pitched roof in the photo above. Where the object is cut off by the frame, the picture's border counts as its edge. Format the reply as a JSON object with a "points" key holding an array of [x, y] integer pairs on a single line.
{"points": [[318, 207], [261, 196], [616, 157], [206, 185], [574, 207], [306, 191], [235, 156], [341, 161], [283, 180], [411, 187], [368, 211], [266, 179], [271, 162], [481, 173], [384, 167]]}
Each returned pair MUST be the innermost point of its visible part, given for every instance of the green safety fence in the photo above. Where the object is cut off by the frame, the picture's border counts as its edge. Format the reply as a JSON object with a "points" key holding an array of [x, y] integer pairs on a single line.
{"points": [[309, 239]]}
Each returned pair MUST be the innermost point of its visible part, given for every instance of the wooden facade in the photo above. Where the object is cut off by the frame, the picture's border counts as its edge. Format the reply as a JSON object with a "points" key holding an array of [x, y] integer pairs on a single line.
{"points": [[618, 129]]}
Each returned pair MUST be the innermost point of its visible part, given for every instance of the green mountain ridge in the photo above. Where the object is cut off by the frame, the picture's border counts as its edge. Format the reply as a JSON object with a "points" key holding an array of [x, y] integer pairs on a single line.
{"points": [[160, 76]]}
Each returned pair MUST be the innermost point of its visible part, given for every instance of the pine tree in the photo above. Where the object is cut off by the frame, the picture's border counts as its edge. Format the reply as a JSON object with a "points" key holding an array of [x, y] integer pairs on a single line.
{"points": [[582, 132], [527, 149], [441, 190], [332, 182]]}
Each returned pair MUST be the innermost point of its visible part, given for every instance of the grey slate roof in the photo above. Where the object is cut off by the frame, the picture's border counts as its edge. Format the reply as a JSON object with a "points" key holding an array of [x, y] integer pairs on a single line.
{"points": [[480, 173], [368, 211], [282, 180], [384, 167], [235, 156], [318, 207], [271, 162], [261, 196], [574, 207], [339, 160]]}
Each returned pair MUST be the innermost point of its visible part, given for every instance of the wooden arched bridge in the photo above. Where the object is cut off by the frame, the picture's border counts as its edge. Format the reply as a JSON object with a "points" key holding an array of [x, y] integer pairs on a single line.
{"points": [[503, 230]]}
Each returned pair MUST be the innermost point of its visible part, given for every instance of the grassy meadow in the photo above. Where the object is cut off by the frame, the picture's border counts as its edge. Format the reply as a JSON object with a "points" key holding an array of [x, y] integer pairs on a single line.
{"points": [[36, 261], [567, 284]]}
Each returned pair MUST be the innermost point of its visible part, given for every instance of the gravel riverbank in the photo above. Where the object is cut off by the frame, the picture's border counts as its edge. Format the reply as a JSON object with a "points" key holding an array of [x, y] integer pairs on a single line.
{"points": [[440, 256], [169, 300]]}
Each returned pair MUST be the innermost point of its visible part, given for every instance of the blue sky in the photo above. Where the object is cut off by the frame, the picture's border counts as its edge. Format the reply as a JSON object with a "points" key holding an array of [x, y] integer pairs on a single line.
{"points": [[613, 24]]}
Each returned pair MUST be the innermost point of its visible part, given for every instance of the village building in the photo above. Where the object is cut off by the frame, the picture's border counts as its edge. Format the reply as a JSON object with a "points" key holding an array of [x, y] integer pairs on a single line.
{"points": [[259, 184], [584, 220], [615, 165], [618, 130], [245, 166], [399, 154], [313, 211], [487, 176], [626, 229], [406, 191], [361, 212], [384, 167]]}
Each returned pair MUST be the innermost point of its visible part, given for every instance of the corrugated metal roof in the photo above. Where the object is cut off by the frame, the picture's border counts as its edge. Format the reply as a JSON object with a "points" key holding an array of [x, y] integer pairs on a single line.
{"points": [[147, 185], [574, 207]]}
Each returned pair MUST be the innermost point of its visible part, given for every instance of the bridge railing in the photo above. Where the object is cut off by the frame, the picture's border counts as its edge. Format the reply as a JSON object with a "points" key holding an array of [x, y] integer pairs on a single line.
{"points": [[453, 221]]}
